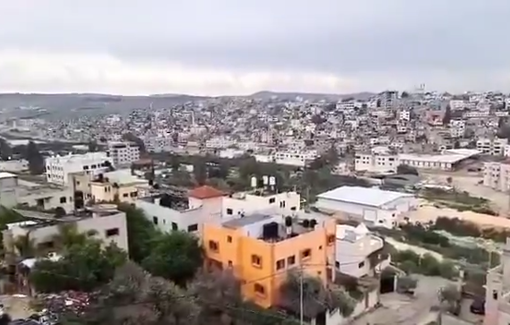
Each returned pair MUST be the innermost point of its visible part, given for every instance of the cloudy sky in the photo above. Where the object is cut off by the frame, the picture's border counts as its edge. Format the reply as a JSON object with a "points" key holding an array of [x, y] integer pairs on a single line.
{"points": [[243, 46]]}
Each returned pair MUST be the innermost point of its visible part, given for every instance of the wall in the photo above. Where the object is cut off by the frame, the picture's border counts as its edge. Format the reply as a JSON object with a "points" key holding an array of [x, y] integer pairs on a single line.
{"points": [[99, 224], [51, 198], [8, 193], [252, 203], [208, 211], [334, 317], [353, 256]]}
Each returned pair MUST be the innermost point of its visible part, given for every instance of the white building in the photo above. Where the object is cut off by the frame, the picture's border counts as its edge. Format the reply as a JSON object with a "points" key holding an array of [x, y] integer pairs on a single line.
{"points": [[494, 147], [8, 186], [58, 168], [106, 220], [405, 115], [379, 160], [354, 248], [14, 166], [497, 299], [123, 154], [457, 104], [368, 205], [457, 128], [496, 175], [207, 204]]}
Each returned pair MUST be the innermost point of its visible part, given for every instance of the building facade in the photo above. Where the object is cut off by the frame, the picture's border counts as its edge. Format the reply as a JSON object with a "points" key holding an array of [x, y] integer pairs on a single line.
{"points": [[58, 168], [496, 175], [261, 249], [123, 154]]}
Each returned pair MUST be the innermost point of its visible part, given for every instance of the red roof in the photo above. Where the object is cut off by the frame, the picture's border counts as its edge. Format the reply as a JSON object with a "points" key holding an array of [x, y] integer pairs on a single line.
{"points": [[205, 192]]}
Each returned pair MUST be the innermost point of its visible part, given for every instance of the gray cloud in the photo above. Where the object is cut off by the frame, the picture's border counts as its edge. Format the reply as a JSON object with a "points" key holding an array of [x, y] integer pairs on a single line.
{"points": [[460, 43]]}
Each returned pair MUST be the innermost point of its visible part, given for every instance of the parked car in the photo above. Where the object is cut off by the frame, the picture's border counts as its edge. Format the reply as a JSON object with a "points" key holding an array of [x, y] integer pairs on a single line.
{"points": [[478, 306]]}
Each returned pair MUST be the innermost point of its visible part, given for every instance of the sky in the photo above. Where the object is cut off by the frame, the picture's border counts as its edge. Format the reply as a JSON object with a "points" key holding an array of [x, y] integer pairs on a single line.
{"points": [[237, 47]]}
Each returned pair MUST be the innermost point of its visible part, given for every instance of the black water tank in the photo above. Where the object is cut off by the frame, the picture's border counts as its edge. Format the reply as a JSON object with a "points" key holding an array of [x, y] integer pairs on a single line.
{"points": [[313, 223], [270, 230], [288, 221], [306, 223]]}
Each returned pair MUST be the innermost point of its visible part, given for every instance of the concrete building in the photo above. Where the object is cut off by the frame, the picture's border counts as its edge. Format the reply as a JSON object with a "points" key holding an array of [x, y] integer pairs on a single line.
{"points": [[207, 204], [496, 175], [261, 249], [123, 154], [58, 168], [355, 249], [457, 128], [116, 186], [14, 166], [379, 160], [497, 300], [368, 205], [494, 147], [8, 186], [108, 223]]}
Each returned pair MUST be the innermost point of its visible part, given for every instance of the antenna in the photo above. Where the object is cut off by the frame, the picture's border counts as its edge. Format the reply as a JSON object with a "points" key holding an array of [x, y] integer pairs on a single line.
{"points": [[254, 182]]}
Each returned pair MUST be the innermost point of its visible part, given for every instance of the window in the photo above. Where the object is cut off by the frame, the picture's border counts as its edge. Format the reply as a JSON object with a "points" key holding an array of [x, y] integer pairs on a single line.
{"points": [[213, 246], [494, 295], [229, 239], [331, 239], [307, 253], [174, 226], [193, 227], [280, 264], [112, 232], [337, 264], [155, 220], [291, 260], [320, 247], [229, 263], [259, 289], [282, 204], [256, 260], [272, 200], [293, 209], [230, 212], [63, 199], [125, 195], [360, 265]]}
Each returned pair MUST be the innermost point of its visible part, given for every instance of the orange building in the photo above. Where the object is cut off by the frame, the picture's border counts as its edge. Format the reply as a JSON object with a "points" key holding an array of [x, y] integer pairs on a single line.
{"points": [[260, 249]]}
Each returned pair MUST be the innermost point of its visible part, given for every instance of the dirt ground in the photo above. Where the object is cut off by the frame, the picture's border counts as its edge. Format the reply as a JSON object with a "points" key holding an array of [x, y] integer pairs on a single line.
{"points": [[469, 182], [17, 306]]}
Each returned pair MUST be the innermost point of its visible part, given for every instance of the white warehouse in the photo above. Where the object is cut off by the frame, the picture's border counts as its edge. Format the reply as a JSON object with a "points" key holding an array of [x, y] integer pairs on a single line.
{"points": [[369, 205]]}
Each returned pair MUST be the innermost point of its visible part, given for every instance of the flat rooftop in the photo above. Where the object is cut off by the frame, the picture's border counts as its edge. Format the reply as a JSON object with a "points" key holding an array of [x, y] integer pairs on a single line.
{"points": [[361, 195], [245, 221], [7, 175]]}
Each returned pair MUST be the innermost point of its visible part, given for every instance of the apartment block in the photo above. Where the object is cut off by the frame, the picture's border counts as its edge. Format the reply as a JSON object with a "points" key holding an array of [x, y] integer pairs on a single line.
{"points": [[106, 220], [123, 154], [494, 147], [262, 248], [58, 168], [496, 175], [497, 300]]}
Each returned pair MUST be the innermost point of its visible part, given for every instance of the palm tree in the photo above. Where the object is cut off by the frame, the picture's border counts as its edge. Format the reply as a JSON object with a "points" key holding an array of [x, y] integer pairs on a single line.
{"points": [[69, 235]]}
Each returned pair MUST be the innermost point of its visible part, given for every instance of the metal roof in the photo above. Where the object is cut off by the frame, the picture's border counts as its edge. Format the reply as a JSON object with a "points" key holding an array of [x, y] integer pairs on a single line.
{"points": [[361, 195]]}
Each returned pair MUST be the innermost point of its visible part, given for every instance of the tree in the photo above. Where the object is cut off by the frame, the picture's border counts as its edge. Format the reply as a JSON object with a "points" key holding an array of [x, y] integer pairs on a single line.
{"points": [[406, 284], [447, 117], [450, 298], [404, 94], [133, 138], [82, 268], [175, 256], [69, 236], [317, 298], [141, 232], [34, 158], [136, 297], [406, 169], [25, 246], [93, 147], [200, 172], [456, 144], [5, 150]]}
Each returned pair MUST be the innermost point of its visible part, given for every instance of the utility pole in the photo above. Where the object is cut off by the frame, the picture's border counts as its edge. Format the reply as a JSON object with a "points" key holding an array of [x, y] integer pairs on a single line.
{"points": [[301, 298]]}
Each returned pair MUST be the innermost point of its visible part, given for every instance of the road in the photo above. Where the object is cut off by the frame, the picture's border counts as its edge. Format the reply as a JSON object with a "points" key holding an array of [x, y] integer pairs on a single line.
{"points": [[403, 310]]}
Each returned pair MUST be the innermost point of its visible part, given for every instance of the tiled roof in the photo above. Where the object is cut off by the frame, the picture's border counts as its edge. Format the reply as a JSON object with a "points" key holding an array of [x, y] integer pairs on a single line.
{"points": [[205, 192]]}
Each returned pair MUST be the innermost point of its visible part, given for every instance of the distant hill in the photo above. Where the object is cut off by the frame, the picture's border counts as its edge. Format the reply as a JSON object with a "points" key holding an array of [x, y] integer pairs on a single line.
{"points": [[310, 96]]}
